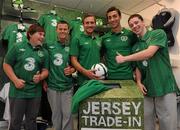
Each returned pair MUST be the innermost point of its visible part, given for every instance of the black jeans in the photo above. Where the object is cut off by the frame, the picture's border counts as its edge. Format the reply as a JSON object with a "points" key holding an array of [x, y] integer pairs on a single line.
{"points": [[28, 107]]}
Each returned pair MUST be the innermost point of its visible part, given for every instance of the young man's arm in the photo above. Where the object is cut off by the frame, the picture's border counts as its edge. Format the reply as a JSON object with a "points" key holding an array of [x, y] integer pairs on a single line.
{"points": [[19, 83], [40, 76], [142, 55], [89, 73], [138, 81]]}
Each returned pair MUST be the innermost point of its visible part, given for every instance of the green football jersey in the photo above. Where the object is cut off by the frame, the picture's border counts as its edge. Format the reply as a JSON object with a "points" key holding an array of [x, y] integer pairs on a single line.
{"points": [[26, 61], [76, 28], [157, 75], [14, 35], [114, 43], [58, 60], [49, 22], [87, 50]]}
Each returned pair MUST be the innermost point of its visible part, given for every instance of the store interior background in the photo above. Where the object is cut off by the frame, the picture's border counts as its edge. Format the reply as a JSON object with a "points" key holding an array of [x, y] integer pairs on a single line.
{"points": [[71, 9]]}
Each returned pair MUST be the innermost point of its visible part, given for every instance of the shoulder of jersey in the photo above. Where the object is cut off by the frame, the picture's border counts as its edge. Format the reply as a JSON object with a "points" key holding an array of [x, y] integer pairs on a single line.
{"points": [[107, 35]]}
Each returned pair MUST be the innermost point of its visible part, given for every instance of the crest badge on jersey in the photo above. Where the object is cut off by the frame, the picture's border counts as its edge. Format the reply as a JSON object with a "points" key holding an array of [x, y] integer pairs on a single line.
{"points": [[124, 38], [67, 49], [40, 53], [145, 63]]}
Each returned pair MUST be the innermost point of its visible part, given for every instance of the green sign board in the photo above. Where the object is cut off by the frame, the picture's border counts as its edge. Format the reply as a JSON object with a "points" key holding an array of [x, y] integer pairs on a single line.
{"points": [[116, 109]]}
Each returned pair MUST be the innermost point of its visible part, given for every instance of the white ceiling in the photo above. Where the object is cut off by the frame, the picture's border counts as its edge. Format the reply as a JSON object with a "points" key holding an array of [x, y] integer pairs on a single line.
{"points": [[99, 7]]}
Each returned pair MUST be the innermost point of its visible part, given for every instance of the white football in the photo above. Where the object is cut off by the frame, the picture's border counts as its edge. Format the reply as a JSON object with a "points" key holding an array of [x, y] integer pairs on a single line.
{"points": [[100, 70]]}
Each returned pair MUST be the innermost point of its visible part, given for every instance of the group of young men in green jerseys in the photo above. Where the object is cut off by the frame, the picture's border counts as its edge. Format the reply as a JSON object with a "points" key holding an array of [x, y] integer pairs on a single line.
{"points": [[139, 55]]}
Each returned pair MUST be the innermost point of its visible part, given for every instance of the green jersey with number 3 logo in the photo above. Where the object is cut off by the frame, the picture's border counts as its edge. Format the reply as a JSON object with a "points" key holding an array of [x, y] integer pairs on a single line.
{"points": [[59, 60], [26, 61], [49, 22], [14, 35]]}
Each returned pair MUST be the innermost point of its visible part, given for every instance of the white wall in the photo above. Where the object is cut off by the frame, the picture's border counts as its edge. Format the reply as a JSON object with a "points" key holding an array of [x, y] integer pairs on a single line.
{"points": [[175, 50], [124, 19]]}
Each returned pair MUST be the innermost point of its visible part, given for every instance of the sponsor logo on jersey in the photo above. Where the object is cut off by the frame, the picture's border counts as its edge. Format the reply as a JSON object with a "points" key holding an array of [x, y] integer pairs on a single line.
{"points": [[19, 37], [54, 22], [30, 65], [81, 28], [58, 59]]}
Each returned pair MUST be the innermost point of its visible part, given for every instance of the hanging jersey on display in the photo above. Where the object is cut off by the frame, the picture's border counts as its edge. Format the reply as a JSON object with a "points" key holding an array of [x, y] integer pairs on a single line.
{"points": [[49, 22], [165, 20], [14, 33], [76, 28]]}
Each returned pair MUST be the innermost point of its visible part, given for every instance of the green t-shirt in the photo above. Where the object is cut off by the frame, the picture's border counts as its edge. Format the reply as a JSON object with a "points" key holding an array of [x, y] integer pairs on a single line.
{"points": [[87, 50], [26, 61], [76, 28], [122, 43], [49, 22], [14, 35], [157, 73], [58, 61]]}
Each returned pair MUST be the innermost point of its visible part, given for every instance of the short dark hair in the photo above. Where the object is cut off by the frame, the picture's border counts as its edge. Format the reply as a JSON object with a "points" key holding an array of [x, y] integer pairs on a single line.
{"points": [[33, 29], [63, 22], [113, 8], [88, 15], [135, 15]]}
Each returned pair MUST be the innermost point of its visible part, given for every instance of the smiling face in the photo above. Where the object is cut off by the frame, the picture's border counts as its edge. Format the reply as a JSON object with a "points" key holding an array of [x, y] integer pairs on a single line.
{"points": [[63, 31], [137, 25], [37, 38], [113, 19], [35, 35], [89, 24]]}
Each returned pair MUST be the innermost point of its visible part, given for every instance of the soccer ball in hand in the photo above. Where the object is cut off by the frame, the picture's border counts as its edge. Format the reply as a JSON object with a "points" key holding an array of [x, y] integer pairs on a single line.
{"points": [[100, 70]]}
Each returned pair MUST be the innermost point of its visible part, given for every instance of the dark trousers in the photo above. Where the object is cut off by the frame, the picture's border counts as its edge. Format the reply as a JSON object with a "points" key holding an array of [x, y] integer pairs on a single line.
{"points": [[45, 109], [20, 107]]}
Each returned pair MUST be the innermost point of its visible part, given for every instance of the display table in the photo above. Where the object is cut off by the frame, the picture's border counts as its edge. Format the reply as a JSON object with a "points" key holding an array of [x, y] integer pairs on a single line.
{"points": [[120, 108]]}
